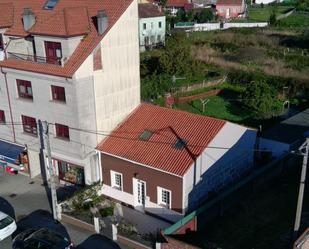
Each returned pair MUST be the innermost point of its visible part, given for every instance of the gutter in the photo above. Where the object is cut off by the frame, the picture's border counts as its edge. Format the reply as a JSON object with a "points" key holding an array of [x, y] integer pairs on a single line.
{"points": [[9, 101]]}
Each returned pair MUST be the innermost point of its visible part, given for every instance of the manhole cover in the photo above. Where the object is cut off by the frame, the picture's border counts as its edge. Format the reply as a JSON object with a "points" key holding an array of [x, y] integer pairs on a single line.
{"points": [[12, 195], [31, 182]]}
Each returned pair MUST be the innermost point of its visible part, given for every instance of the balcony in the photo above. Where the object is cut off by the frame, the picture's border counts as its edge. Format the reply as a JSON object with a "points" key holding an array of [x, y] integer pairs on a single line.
{"points": [[35, 58]]}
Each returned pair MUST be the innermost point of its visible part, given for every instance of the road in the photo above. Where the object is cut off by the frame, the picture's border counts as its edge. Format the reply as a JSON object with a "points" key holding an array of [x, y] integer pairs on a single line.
{"points": [[26, 200]]}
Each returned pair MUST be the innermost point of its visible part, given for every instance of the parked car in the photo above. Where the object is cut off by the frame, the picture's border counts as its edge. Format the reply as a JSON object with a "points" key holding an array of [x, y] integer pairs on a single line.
{"points": [[41, 239], [7, 226]]}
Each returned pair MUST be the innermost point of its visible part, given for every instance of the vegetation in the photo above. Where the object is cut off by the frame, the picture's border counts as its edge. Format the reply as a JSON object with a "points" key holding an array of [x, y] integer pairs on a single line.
{"points": [[262, 13], [107, 211]]}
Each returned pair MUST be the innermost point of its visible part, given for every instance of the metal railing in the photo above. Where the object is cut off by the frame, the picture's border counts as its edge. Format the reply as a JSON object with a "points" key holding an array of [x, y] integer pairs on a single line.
{"points": [[34, 58]]}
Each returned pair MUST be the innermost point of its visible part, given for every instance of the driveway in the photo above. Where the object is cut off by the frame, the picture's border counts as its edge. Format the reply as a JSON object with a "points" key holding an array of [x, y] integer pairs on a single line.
{"points": [[26, 200]]}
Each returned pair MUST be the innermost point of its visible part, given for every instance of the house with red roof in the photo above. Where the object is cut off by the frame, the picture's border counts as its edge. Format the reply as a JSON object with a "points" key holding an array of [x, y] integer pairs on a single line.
{"points": [[74, 64], [166, 162], [230, 8]]}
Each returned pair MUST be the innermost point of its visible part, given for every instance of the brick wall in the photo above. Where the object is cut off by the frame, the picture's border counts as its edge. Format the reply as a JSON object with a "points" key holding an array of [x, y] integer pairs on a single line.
{"points": [[97, 59]]}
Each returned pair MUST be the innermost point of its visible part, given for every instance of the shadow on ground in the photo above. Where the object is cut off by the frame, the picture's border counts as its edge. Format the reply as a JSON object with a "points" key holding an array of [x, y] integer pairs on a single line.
{"points": [[6, 207], [98, 241]]}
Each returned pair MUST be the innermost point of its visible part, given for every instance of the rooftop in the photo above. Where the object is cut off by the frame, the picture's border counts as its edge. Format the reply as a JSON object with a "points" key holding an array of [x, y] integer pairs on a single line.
{"points": [[68, 18], [290, 130], [165, 139], [229, 2], [148, 10]]}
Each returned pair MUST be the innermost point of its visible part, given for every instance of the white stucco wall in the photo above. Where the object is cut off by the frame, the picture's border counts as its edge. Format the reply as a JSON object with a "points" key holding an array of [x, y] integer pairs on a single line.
{"points": [[68, 45], [277, 148], [225, 158]]}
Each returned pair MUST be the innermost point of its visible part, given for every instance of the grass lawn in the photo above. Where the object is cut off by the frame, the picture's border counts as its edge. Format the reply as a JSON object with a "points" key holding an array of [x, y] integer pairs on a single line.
{"points": [[262, 220], [263, 14], [296, 20]]}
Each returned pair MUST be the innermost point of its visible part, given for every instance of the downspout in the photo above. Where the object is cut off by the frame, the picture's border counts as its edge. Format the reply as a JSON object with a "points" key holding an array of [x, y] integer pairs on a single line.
{"points": [[9, 101]]}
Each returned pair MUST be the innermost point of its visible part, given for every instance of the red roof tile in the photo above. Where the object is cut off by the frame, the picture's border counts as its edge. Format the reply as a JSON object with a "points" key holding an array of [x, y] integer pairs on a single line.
{"points": [[6, 20], [68, 18], [229, 2], [167, 125], [176, 3], [149, 10]]}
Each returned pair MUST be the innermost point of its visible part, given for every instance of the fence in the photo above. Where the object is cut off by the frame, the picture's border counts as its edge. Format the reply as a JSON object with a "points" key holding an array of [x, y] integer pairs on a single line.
{"points": [[217, 26]]}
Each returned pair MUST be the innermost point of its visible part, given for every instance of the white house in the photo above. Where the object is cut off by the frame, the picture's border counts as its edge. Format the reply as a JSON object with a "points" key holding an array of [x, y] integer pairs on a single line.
{"points": [[74, 64], [152, 26], [165, 162]]}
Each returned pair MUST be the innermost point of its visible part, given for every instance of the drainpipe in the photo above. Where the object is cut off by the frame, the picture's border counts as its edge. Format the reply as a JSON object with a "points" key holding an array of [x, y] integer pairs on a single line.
{"points": [[9, 101]]}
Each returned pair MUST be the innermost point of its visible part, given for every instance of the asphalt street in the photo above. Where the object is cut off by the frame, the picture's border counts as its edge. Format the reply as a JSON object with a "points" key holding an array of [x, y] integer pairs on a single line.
{"points": [[26, 200]]}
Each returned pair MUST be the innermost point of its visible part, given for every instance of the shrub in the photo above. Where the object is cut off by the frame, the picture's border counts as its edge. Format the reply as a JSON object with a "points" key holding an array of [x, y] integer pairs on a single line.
{"points": [[108, 211]]}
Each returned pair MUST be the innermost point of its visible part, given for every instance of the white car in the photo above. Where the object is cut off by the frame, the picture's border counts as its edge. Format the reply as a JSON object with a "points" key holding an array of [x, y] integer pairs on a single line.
{"points": [[7, 226]]}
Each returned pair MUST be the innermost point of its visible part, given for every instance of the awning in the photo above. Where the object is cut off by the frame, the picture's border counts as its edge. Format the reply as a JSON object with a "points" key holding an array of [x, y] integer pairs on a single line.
{"points": [[10, 152]]}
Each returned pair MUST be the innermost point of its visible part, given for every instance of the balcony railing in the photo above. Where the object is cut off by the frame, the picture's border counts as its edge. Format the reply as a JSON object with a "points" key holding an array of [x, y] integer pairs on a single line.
{"points": [[34, 58]]}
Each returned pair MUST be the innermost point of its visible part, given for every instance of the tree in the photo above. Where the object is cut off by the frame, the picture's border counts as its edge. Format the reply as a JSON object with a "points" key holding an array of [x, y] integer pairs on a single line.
{"points": [[162, 2], [261, 98], [273, 18], [262, 5], [181, 16], [205, 15]]}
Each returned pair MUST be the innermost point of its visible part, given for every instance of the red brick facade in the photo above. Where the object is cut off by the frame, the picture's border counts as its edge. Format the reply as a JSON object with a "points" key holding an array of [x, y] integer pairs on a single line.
{"points": [[97, 59]]}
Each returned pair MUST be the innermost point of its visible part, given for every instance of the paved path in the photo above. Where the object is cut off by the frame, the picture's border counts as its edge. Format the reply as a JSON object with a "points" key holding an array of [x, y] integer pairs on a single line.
{"points": [[26, 200]]}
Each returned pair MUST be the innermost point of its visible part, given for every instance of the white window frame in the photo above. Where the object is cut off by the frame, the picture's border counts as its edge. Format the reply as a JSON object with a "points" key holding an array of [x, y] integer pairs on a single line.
{"points": [[113, 180], [159, 198]]}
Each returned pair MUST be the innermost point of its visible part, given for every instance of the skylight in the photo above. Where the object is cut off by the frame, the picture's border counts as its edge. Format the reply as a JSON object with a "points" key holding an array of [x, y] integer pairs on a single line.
{"points": [[146, 135], [180, 144], [50, 4]]}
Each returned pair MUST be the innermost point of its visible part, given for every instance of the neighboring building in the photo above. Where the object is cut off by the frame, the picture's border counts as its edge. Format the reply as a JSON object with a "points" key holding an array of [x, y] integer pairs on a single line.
{"points": [[230, 8], [74, 64], [287, 135], [303, 241], [166, 162], [152, 26], [174, 5]]}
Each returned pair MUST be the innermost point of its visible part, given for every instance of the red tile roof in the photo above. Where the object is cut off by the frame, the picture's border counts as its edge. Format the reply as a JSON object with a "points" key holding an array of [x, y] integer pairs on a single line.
{"points": [[229, 2], [167, 125], [68, 18], [149, 10], [176, 3]]}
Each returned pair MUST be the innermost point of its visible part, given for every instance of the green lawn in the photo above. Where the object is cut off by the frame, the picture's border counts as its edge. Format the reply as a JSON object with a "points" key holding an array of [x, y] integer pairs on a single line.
{"points": [[296, 20], [262, 14]]}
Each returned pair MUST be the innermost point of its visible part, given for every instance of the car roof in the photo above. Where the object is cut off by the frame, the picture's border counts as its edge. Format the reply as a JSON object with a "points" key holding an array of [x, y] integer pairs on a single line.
{"points": [[50, 237], [2, 215]]}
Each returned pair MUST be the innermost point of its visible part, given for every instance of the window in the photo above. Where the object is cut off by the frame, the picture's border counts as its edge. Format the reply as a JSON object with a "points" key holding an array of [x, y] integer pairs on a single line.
{"points": [[50, 4], [2, 116], [29, 125], [116, 180], [70, 173], [58, 93], [53, 52], [160, 24], [24, 89], [159, 38], [1, 43], [180, 144], [164, 197], [144, 26], [62, 131], [146, 135]]}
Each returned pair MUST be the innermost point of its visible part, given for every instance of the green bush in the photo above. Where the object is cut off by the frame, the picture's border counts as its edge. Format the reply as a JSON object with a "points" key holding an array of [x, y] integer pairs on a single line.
{"points": [[108, 211]]}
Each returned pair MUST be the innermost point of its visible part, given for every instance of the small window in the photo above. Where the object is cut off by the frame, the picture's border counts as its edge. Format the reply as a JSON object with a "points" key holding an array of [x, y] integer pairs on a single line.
{"points": [[1, 43], [29, 125], [2, 116], [180, 144], [58, 93], [164, 197], [146, 135], [116, 180], [62, 131], [160, 24], [144, 26], [50, 4], [24, 89]]}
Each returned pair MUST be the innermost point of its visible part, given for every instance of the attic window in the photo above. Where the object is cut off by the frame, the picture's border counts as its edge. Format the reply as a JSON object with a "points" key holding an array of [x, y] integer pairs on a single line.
{"points": [[180, 144], [146, 135], [50, 4]]}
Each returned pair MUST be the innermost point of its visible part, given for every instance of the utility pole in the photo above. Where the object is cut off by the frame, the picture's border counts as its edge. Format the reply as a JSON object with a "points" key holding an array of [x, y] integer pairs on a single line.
{"points": [[51, 170], [301, 188]]}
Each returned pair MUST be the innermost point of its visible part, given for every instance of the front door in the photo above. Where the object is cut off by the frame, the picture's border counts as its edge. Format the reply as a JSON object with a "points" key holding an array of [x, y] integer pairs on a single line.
{"points": [[139, 192], [53, 52]]}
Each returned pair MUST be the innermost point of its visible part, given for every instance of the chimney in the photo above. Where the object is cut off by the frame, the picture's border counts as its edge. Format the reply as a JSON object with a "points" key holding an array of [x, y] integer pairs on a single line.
{"points": [[102, 21], [28, 18]]}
